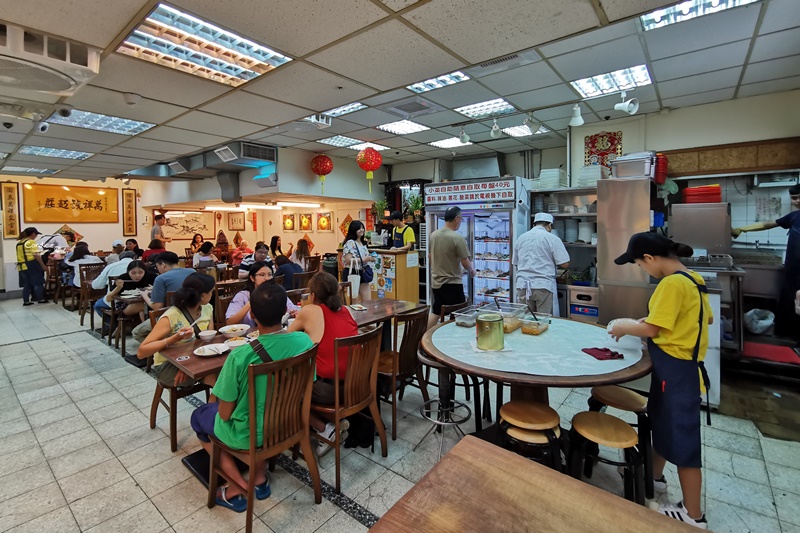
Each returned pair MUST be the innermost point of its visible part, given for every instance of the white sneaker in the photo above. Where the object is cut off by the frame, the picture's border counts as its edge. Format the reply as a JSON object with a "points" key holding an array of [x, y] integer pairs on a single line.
{"points": [[678, 512], [660, 485], [327, 433]]}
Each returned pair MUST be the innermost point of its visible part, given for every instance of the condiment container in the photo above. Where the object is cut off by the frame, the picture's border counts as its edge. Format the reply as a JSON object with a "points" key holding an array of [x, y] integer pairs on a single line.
{"points": [[489, 331], [535, 326]]}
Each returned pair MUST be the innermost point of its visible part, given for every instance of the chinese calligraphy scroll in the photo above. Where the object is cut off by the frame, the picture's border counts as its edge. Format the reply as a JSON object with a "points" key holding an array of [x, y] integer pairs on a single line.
{"points": [[11, 227], [53, 203], [129, 212]]}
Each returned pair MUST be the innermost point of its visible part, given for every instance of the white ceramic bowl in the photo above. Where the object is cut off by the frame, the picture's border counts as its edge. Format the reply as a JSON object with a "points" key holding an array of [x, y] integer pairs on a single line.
{"points": [[628, 342], [234, 330], [207, 335], [235, 344]]}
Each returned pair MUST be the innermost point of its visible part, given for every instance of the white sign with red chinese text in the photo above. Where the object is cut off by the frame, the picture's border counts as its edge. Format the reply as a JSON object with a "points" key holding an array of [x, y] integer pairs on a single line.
{"points": [[483, 191]]}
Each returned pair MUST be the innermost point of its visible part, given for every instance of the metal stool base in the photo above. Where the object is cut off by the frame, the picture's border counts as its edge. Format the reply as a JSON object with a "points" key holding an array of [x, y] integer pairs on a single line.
{"points": [[442, 418]]}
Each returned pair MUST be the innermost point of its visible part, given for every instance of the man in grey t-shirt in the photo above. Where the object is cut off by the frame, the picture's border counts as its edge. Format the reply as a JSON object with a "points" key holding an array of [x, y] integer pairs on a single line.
{"points": [[448, 253], [157, 232]]}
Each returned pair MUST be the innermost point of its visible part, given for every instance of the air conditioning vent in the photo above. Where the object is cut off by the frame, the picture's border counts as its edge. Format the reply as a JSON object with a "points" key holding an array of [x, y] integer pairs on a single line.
{"points": [[36, 61], [409, 108], [258, 151], [226, 154], [494, 62], [503, 63]]}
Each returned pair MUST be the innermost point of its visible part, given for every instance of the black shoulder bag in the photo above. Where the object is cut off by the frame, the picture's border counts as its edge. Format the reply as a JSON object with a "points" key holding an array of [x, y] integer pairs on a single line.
{"points": [[189, 318], [257, 347], [366, 270]]}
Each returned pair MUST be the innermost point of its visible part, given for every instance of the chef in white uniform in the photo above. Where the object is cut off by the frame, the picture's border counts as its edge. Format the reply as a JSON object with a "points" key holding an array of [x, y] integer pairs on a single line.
{"points": [[536, 255]]}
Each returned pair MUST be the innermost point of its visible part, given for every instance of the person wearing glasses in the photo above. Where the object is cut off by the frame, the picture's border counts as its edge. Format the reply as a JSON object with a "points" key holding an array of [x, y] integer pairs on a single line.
{"points": [[239, 309]]}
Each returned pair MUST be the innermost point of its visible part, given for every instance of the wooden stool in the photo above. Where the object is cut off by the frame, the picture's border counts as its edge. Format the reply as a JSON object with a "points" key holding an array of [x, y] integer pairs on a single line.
{"points": [[606, 430], [532, 429], [631, 401]]}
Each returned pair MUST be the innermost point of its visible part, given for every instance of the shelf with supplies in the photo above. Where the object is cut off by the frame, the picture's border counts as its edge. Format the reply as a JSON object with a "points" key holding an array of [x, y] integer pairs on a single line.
{"points": [[579, 245], [573, 215], [567, 190], [492, 277]]}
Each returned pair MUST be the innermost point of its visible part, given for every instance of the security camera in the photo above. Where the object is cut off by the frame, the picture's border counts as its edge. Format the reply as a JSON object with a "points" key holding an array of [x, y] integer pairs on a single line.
{"points": [[607, 117], [8, 125], [64, 110], [397, 153], [41, 127], [131, 99]]}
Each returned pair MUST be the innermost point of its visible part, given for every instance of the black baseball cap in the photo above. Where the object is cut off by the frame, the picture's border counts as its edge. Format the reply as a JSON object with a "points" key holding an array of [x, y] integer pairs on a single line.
{"points": [[646, 243], [31, 230], [396, 215]]}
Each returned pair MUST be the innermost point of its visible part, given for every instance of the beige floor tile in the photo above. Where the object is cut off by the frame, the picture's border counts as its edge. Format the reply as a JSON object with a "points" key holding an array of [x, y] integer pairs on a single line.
{"points": [[342, 523], [56, 414], [144, 518], [79, 460], [258, 527], [383, 493], [298, 513], [357, 473], [12, 485], [121, 424], [12, 427], [47, 404], [92, 479], [162, 476], [28, 506], [147, 456], [110, 412], [181, 500], [106, 504], [735, 465], [20, 460], [61, 427], [18, 441], [101, 401], [70, 443], [125, 442], [60, 521], [216, 520]]}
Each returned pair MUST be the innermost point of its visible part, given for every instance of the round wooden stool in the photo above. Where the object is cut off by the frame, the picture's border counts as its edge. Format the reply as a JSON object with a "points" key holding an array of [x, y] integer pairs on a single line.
{"points": [[529, 415], [631, 401], [532, 430], [606, 430]]}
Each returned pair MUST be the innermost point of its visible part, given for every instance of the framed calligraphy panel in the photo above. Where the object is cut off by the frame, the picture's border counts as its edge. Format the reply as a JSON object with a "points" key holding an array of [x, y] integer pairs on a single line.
{"points": [[236, 221], [129, 212], [602, 148], [54, 203], [11, 229]]}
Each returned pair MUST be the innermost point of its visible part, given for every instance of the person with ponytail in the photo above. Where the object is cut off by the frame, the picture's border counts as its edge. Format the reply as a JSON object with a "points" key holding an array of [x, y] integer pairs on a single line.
{"points": [[190, 305], [676, 329], [325, 319]]}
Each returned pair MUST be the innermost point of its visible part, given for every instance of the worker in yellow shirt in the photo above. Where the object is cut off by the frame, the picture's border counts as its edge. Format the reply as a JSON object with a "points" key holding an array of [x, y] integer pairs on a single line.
{"points": [[31, 268], [402, 235]]}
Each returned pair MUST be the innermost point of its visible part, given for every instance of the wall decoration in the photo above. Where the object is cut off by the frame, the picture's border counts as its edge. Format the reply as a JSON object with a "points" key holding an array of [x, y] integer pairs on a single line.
{"points": [[184, 227], [369, 159], [602, 148], [345, 224], [322, 165], [54, 203], [325, 222], [128, 212], [236, 221], [67, 229], [222, 239], [237, 239], [10, 204], [289, 222], [310, 242], [306, 222]]}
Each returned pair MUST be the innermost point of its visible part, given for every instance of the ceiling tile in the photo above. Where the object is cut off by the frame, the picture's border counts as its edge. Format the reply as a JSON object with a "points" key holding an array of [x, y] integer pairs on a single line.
{"points": [[553, 113], [134, 161], [46, 98], [390, 96], [65, 144], [620, 9], [398, 5], [698, 99], [308, 86], [7, 147], [774, 45], [426, 136], [706, 60], [442, 118], [780, 15], [559, 123], [141, 154], [396, 55], [140, 143], [228, 127], [131, 75], [700, 83], [15, 137], [527, 78], [507, 142], [506, 121], [340, 126], [590, 38], [194, 138], [86, 135], [412, 158], [91, 163], [80, 20], [461, 94], [703, 32], [770, 70], [283, 140], [600, 58], [478, 30], [371, 135], [544, 97], [785, 84], [246, 106], [399, 142], [279, 24], [39, 161], [312, 135], [371, 117], [313, 147], [108, 102]]}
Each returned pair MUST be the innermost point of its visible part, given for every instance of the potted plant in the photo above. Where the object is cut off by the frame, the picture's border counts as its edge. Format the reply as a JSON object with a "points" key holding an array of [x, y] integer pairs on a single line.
{"points": [[415, 206], [379, 210]]}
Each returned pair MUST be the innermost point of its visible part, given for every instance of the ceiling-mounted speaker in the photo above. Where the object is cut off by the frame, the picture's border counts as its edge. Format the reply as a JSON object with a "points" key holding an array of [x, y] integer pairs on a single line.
{"points": [[630, 107]]}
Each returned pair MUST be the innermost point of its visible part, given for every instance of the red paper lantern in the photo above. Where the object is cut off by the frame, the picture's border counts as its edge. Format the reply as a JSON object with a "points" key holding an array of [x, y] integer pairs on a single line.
{"points": [[369, 159], [322, 165]]}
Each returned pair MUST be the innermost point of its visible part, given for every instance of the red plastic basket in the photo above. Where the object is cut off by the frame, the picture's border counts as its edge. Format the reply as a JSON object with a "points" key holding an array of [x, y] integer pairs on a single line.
{"points": [[705, 194]]}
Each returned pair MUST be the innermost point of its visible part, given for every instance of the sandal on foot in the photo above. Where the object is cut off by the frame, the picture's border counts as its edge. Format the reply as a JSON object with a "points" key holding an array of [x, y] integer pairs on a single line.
{"points": [[237, 504], [263, 491], [26, 304]]}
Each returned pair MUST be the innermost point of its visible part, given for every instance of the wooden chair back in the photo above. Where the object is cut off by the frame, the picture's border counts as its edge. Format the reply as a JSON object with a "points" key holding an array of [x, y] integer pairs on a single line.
{"points": [[415, 323], [189, 253], [346, 291], [223, 294], [448, 310], [313, 263], [301, 279], [91, 271], [168, 298], [155, 314], [361, 378], [295, 295], [279, 280]]}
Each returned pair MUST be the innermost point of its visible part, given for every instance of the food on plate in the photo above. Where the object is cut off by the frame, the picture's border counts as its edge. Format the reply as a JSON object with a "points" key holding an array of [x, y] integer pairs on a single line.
{"points": [[234, 330], [253, 334], [238, 339]]}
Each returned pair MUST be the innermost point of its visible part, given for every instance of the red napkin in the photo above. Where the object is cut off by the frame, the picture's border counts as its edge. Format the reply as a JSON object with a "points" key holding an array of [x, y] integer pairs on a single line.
{"points": [[602, 354]]}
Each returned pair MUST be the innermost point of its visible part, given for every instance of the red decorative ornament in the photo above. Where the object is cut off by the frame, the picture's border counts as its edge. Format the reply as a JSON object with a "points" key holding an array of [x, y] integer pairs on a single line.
{"points": [[369, 159], [322, 165]]}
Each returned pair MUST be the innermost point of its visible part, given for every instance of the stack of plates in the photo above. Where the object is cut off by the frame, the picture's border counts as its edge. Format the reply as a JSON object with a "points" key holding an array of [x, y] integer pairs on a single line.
{"points": [[558, 229], [571, 230], [552, 178], [553, 208], [591, 175], [585, 231], [538, 204]]}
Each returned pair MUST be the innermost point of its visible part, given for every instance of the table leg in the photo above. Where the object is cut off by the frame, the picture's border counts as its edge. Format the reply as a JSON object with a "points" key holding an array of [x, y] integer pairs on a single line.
{"points": [[386, 336], [530, 393]]}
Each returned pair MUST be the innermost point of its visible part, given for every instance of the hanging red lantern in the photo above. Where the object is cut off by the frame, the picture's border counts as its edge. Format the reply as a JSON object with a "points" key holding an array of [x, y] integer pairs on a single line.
{"points": [[322, 165], [369, 159]]}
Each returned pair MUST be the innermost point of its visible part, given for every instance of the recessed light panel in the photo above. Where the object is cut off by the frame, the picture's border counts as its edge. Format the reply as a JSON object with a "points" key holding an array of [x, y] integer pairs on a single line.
{"points": [[438, 82], [491, 108], [613, 82], [686, 11], [403, 127], [345, 109], [96, 121], [523, 131], [54, 152], [453, 142], [175, 39], [339, 140], [30, 170], [364, 146]]}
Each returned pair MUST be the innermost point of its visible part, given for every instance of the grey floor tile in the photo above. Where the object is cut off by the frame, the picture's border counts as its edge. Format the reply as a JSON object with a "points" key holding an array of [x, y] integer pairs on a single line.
{"points": [[28, 506], [784, 478], [122, 424], [79, 460], [125, 442], [18, 441], [60, 521], [61, 428], [144, 518], [162, 476], [101, 401], [88, 392], [181, 500], [357, 473], [70, 443], [740, 493], [397, 450], [735, 465], [723, 517], [56, 414], [82, 382], [149, 455], [12, 427], [732, 442], [20, 460], [780, 452], [110, 411], [342, 523], [383, 493], [35, 385], [40, 394], [299, 513], [92, 479], [12, 485], [46, 404], [106, 504], [788, 505]]}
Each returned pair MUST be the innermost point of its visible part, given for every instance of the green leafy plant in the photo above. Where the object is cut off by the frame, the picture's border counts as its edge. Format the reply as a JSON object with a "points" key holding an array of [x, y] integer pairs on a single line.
{"points": [[414, 203], [379, 208]]}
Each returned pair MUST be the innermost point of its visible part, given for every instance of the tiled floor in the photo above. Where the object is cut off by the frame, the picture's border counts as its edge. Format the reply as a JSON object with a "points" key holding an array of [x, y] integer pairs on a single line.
{"points": [[78, 453]]}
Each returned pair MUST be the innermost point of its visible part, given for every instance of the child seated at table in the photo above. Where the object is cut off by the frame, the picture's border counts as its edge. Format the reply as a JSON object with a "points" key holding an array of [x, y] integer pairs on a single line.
{"points": [[229, 418]]}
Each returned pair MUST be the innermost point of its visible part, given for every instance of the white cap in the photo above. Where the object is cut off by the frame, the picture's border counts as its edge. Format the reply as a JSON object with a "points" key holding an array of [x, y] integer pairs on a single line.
{"points": [[118, 242], [543, 217]]}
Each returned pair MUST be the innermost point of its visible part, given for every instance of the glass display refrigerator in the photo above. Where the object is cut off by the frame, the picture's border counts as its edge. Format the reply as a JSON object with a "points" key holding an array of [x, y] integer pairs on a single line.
{"points": [[494, 213]]}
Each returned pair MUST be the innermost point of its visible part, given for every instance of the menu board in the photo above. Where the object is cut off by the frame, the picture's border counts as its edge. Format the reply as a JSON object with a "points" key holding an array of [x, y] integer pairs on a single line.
{"points": [[385, 275], [499, 190]]}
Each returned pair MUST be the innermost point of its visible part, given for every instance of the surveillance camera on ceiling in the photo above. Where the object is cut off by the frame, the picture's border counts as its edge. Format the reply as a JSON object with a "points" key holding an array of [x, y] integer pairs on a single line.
{"points": [[64, 110], [41, 127], [8, 125], [131, 99]]}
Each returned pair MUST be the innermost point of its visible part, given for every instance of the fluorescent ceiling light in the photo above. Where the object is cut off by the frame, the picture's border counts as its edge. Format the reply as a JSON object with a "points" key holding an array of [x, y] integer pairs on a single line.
{"points": [[340, 141], [686, 11], [364, 146], [403, 127], [30, 170], [487, 109], [438, 82], [175, 39], [297, 204], [54, 152], [452, 142], [96, 121], [345, 109], [523, 131], [3, 155], [613, 82], [243, 207]]}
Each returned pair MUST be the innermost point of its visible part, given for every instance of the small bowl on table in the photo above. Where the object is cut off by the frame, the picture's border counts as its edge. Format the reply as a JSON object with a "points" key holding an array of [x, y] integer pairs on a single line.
{"points": [[234, 330], [207, 335]]}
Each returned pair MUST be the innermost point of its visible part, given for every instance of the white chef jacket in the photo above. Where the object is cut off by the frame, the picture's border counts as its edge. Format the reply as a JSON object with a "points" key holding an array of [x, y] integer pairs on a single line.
{"points": [[536, 254]]}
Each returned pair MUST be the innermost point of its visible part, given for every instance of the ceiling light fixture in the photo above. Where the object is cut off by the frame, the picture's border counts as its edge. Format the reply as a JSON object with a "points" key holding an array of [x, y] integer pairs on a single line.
{"points": [[532, 124], [30, 170], [463, 137], [54, 152], [630, 107], [438, 82], [339, 141], [524, 131], [613, 82], [577, 119], [3, 155], [403, 127], [345, 109], [452, 142], [243, 207], [496, 131], [297, 204], [99, 122], [364, 146], [126, 181], [687, 10], [487, 109]]}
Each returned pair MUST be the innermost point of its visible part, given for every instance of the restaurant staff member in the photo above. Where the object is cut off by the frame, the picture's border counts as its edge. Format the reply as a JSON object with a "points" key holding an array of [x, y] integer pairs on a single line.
{"points": [[787, 322], [536, 254], [402, 235], [157, 231]]}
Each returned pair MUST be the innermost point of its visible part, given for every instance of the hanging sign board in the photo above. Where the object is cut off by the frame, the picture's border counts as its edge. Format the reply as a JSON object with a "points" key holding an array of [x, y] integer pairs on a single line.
{"points": [[54, 203], [502, 190]]}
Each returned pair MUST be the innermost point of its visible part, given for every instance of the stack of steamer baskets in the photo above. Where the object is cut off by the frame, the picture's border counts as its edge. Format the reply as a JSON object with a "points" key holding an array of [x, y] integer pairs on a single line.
{"points": [[707, 194]]}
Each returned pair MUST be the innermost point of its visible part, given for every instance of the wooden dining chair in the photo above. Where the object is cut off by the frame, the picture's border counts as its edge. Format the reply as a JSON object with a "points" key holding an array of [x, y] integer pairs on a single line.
{"points": [[346, 291], [295, 295], [189, 253], [285, 424], [89, 295], [168, 298], [278, 280], [401, 364], [313, 263], [357, 391], [300, 279], [223, 294], [51, 281]]}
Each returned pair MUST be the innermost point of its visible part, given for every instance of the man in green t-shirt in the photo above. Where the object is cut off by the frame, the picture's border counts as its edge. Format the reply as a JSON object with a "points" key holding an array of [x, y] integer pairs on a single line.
{"points": [[229, 418]]}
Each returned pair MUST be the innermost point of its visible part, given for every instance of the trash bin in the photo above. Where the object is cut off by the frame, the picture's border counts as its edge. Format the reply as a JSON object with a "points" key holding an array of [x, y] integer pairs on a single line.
{"points": [[330, 264]]}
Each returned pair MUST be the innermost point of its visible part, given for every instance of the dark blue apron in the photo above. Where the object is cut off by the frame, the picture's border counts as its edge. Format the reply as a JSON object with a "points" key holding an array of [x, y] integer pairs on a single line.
{"points": [[397, 242]]}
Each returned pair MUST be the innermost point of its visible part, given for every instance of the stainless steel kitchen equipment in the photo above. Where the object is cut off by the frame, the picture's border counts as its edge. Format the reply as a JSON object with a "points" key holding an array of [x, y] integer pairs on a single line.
{"points": [[703, 226], [584, 304]]}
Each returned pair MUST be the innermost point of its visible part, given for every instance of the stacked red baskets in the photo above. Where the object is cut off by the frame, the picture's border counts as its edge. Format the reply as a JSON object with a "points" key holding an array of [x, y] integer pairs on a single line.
{"points": [[707, 194]]}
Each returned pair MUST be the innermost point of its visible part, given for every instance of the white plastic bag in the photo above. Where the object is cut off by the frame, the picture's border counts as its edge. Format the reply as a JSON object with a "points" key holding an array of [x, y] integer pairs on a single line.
{"points": [[354, 277], [758, 320]]}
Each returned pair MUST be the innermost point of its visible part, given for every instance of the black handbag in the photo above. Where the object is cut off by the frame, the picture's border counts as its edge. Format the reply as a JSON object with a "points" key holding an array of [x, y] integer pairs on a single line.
{"points": [[366, 271]]}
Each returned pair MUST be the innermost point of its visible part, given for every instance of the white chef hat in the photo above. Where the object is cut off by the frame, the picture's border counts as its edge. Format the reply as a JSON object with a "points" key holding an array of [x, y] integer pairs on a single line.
{"points": [[543, 217]]}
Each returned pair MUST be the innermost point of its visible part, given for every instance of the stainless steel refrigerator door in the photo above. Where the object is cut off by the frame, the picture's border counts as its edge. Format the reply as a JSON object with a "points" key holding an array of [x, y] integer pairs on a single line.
{"points": [[623, 208], [706, 226], [466, 230], [623, 301]]}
